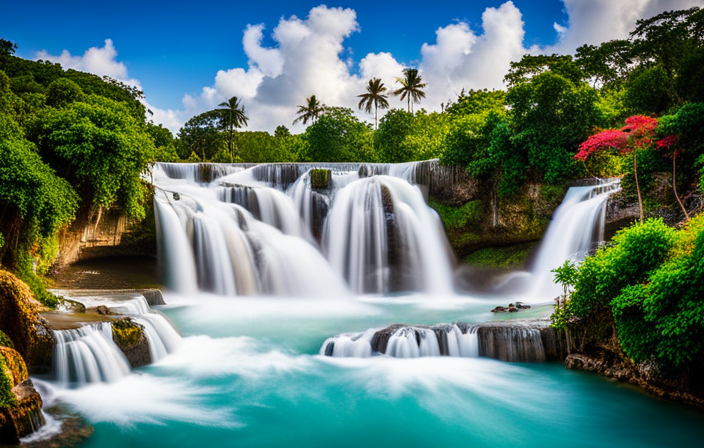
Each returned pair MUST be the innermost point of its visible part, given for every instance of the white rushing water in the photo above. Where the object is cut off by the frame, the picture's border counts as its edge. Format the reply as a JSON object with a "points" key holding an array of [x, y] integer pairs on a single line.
{"points": [[88, 355], [406, 342], [576, 229], [266, 231]]}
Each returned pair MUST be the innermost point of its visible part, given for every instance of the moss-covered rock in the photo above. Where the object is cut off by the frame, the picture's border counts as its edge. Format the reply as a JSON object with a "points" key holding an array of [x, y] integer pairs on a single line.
{"points": [[14, 366], [320, 179], [20, 321], [489, 221], [5, 341], [20, 403], [130, 338], [24, 417]]}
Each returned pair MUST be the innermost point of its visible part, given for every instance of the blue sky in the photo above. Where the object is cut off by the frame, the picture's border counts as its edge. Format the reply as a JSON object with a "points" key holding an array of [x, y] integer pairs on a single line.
{"points": [[176, 47], [173, 49]]}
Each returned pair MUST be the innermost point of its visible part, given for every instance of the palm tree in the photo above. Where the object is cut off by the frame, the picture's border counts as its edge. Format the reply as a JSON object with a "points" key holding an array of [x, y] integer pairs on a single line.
{"points": [[232, 116], [376, 97], [310, 111], [411, 87]]}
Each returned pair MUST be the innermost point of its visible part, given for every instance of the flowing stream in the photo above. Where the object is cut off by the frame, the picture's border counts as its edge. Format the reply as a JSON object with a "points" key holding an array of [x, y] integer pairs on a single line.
{"points": [[268, 275]]}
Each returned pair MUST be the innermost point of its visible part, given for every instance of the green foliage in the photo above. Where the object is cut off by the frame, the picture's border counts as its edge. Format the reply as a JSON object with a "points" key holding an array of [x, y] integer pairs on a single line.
{"points": [[501, 257], [63, 92], [531, 66], [454, 217], [652, 279], [7, 398], [5, 341], [338, 136], [7, 47], [319, 179], [648, 91], [551, 115], [403, 136], [566, 276], [261, 147], [45, 201], [477, 102], [634, 253], [201, 135], [101, 149]]}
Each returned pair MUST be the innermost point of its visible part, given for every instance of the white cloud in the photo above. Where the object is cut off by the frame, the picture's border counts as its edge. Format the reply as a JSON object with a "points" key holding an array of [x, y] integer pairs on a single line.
{"points": [[99, 61], [595, 21], [309, 58]]}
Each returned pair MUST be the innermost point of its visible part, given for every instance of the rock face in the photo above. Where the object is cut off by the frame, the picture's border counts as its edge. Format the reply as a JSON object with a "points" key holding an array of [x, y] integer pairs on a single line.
{"points": [[20, 403], [20, 321], [522, 341]]}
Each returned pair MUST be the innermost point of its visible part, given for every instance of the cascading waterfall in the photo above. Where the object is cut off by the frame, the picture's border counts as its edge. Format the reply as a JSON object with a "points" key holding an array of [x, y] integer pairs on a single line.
{"points": [[161, 334], [382, 237], [243, 235], [576, 229], [456, 340], [88, 355]]}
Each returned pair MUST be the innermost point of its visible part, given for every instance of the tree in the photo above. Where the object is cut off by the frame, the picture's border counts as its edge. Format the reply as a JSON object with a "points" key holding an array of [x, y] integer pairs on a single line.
{"points": [[339, 136], [232, 116], [310, 111], [100, 149], [374, 97], [682, 135], [411, 87], [550, 117], [476, 102], [636, 134], [201, 135], [7, 47]]}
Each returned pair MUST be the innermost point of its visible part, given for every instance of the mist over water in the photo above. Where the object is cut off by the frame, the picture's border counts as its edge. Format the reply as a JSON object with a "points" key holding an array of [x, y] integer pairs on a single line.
{"points": [[264, 270]]}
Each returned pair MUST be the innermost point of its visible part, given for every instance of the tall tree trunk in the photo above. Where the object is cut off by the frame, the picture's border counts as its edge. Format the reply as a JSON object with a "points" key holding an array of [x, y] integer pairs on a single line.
{"points": [[376, 116], [640, 198], [674, 185]]}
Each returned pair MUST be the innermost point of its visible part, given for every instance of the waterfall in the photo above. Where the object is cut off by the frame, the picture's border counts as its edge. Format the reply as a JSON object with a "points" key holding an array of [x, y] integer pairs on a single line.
{"points": [[456, 340], [88, 355], [382, 237], [161, 334], [576, 229], [264, 230]]}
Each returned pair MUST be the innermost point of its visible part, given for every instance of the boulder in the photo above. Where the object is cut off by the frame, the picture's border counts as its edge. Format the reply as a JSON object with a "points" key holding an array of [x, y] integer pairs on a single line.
{"points": [[130, 338]]}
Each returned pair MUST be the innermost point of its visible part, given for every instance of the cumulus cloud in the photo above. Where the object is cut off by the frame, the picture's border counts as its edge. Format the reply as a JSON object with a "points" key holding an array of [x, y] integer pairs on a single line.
{"points": [[96, 60], [308, 58], [595, 21]]}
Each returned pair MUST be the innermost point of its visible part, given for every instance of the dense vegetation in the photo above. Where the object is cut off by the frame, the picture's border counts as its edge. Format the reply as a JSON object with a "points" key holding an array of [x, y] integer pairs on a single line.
{"points": [[70, 142]]}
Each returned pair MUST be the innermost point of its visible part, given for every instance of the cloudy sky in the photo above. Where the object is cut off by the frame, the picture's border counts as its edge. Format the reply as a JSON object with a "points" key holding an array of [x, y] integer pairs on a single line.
{"points": [[189, 57]]}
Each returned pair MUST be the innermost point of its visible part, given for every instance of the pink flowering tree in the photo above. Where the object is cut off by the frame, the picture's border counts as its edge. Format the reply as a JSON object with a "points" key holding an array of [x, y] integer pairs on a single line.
{"points": [[638, 132]]}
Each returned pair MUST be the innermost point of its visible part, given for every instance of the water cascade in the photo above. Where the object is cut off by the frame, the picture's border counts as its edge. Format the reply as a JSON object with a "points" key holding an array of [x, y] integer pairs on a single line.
{"points": [[88, 355], [256, 231], [576, 229], [399, 341], [161, 334]]}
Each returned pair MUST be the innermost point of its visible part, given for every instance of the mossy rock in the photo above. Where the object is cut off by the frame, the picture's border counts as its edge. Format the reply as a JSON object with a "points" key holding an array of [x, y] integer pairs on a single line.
{"points": [[15, 367], [320, 179], [5, 341], [126, 333], [7, 398], [20, 321]]}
